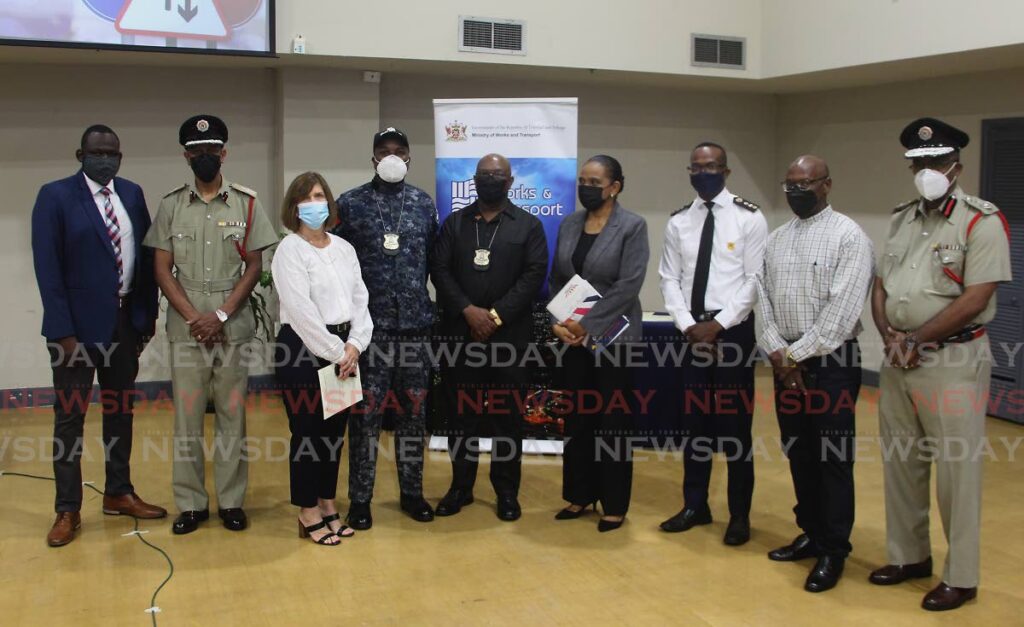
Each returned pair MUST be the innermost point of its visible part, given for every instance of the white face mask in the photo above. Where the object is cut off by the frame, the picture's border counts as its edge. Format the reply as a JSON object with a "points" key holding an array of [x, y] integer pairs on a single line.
{"points": [[932, 184], [392, 169]]}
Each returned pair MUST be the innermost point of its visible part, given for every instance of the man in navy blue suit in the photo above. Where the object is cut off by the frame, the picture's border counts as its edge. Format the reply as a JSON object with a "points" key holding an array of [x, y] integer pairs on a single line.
{"points": [[99, 310]]}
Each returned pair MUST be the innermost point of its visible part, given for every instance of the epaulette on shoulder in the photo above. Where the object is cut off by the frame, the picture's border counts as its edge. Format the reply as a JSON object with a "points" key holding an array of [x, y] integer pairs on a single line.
{"points": [[681, 209], [176, 190], [983, 206], [746, 204], [903, 205], [242, 188]]}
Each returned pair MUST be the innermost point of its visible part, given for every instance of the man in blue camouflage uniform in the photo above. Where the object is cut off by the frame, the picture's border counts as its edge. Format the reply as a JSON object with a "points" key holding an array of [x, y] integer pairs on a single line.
{"points": [[392, 226]]}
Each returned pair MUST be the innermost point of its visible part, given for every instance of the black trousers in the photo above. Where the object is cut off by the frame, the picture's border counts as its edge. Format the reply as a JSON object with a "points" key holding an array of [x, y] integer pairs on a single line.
{"points": [[315, 449], [485, 400], [597, 461], [718, 402], [116, 367], [819, 429]]}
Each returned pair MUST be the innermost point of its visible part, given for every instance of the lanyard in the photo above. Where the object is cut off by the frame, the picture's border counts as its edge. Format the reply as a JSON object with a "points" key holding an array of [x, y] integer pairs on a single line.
{"points": [[380, 212], [491, 243]]}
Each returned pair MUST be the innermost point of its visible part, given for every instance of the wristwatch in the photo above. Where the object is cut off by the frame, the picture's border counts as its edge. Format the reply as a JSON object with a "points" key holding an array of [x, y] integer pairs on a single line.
{"points": [[221, 315], [495, 316]]}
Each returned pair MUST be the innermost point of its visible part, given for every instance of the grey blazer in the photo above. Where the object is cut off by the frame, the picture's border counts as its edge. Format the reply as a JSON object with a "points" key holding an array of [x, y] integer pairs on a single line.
{"points": [[615, 266]]}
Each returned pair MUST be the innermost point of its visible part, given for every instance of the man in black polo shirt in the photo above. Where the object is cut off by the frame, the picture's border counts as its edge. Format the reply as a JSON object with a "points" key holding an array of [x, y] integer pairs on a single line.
{"points": [[488, 266]]}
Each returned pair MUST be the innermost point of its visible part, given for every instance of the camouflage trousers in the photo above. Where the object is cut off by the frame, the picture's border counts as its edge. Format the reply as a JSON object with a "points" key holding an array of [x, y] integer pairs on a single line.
{"points": [[395, 371]]}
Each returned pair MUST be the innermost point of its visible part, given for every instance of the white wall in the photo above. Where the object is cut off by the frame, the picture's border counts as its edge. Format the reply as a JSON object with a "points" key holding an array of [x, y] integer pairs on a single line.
{"points": [[857, 132], [651, 131], [326, 121], [811, 35], [640, 36]]}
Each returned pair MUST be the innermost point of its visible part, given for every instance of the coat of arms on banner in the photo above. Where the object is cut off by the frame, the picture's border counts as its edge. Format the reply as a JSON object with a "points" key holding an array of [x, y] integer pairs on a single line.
{"points": [[456, 132]]}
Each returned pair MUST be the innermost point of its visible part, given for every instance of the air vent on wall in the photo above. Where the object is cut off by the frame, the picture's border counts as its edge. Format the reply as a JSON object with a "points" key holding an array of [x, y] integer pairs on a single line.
{"points": [[717, 51], [497, 36]]}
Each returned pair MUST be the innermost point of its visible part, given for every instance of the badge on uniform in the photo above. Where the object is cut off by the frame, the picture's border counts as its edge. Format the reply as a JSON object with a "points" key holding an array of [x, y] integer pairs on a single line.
{"points": [[482, 260], [391, 244]]}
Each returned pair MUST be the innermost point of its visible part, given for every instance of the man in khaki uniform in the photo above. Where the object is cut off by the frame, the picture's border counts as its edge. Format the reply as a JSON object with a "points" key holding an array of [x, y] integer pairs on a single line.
{"points": [[208, 236], [946, 254]]}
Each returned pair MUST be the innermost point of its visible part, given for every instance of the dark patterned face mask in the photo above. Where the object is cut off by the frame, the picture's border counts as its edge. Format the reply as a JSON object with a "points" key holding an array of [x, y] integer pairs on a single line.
{"points": [[101, 168]]}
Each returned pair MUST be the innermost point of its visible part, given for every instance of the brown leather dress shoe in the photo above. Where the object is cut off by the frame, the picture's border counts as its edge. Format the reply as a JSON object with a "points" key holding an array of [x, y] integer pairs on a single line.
{"points": [[894, 574], [131, 505], [64, 527], [943, 597]]}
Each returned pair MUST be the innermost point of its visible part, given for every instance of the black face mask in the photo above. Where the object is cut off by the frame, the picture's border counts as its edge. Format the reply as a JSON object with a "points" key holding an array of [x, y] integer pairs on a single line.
{"points": [[489, 190], [101, 168], [802, 202], [206, 167], [590, 196], [708, 184]]}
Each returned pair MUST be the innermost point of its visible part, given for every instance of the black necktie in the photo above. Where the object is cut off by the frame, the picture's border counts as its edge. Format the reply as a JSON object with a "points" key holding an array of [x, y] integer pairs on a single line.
{"points": [[700, 275]]}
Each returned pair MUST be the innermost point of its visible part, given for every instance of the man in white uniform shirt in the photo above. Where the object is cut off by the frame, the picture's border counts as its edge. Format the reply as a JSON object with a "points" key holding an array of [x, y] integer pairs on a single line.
{"points": [[714, 247], [817, 273]]}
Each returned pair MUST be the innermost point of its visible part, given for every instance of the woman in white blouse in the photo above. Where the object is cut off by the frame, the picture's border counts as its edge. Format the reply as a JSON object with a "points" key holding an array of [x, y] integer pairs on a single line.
{"points": [[324, 320]]}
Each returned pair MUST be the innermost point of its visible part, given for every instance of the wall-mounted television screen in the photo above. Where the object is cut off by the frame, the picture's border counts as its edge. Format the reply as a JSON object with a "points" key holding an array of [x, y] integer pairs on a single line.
{"points": [[231, 26]]}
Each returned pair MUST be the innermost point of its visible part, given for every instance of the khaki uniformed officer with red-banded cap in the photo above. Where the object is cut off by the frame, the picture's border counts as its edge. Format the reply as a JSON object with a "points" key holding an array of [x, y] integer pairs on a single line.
{"points": [[208, 235], [946, 254]]}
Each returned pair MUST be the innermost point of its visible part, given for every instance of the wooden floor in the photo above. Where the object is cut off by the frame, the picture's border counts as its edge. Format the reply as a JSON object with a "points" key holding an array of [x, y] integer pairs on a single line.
{"points": [[473, 568]]}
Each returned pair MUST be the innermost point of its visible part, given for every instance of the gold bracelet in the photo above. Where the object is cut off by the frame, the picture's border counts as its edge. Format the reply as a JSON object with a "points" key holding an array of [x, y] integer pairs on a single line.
{"points": [[495, 316]]}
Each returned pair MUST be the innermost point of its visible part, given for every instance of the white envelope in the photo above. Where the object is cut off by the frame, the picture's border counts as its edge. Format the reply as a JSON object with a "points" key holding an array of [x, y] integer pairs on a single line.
{"points": [[338, 394]]}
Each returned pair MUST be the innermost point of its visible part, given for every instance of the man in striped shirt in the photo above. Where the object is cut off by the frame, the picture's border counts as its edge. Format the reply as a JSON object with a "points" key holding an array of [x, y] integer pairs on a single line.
{"points": [[817, 273]]}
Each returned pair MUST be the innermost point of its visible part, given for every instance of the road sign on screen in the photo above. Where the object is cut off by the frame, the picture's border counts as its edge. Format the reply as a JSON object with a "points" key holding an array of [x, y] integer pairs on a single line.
{"points": [[107, 9], [193, 19], [244, 26]]}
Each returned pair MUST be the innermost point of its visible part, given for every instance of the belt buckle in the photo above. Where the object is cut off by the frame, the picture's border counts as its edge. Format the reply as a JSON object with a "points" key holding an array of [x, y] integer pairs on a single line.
{"points": [[206, 287]]}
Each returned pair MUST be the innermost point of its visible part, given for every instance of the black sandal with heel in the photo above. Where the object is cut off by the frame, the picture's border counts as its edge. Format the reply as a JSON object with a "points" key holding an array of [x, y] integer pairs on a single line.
{"points": [[344, 531], [304, 532]]}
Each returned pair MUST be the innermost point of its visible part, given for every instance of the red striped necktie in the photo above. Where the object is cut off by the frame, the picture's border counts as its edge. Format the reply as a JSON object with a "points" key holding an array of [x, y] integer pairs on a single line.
{"points": [[114, 231]]}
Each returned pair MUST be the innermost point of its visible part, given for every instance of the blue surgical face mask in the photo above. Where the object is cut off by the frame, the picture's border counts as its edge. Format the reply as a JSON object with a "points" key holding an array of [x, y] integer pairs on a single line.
{"points": [[314, 213]]}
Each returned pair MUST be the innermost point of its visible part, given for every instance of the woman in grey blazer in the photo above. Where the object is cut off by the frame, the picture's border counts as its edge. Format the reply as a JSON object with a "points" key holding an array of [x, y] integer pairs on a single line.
{"points": [[607, 246]]}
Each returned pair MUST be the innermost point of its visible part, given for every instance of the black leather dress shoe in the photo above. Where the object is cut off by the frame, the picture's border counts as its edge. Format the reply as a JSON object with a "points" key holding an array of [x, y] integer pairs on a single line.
{"points": [[738, 531], [453, 502], [234, 518], [508, 508], [894, 574], [825, 574], [604, 526], [187, 522], [359, 517], [687, 519], [418, 509], [801, 548], [944, 597]]}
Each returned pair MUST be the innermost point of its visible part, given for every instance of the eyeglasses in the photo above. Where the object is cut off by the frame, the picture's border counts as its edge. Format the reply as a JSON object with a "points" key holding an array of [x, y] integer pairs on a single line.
{"points": [[710, 168], [801, 186], [491, 176]]}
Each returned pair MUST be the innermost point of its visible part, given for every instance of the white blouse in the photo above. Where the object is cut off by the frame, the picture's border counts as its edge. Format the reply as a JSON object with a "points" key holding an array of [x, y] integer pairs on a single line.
{"points": [[322, 286]]}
